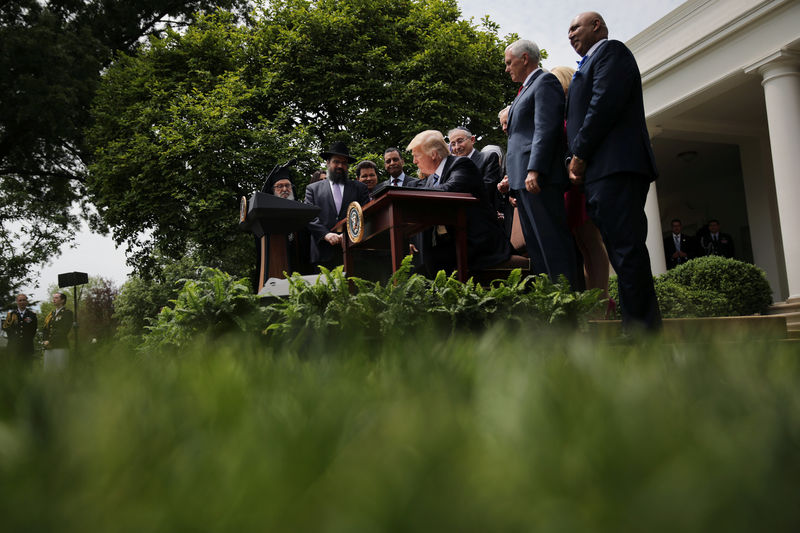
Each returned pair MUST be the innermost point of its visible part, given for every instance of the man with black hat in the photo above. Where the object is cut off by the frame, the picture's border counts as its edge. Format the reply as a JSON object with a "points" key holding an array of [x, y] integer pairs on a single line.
{"points": [[280, 184], [332, 196]]}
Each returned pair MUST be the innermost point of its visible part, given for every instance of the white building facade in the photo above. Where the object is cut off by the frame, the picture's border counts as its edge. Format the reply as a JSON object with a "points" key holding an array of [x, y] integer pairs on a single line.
{"points": [[721, 82]]}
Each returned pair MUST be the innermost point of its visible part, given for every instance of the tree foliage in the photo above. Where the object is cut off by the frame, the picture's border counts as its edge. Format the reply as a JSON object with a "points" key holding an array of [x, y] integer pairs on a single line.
{"points": [[192, 121], [140, 300], [52, 54]]}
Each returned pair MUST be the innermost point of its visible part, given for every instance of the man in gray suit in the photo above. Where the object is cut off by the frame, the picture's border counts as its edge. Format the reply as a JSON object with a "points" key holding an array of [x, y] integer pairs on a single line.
{"points": [[332, 196], [535, 162]]}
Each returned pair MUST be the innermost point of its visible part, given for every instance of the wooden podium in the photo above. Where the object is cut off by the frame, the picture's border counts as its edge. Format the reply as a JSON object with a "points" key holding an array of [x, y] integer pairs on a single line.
{"points": [[400, 212], [271, 219]]}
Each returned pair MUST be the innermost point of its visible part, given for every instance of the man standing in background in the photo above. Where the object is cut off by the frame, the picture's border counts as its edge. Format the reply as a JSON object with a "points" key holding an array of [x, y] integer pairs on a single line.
{"points": [[57, 326], [393, 164], [332, 196], [20, 326]]}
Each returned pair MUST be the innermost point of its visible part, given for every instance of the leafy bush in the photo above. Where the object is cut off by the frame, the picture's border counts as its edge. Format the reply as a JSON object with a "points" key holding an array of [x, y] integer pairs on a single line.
{"points": [[212, 305], [709, 286], [345, 308], [742, 285], [410, 301]]}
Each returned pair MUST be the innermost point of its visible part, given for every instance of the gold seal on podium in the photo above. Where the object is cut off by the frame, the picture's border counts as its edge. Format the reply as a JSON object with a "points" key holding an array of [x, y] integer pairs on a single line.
{"points": [[355, 222]]}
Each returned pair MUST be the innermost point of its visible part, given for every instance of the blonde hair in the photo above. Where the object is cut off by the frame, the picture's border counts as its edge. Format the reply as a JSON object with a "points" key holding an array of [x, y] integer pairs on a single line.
{"points": [[564, 75], [430, 142]]}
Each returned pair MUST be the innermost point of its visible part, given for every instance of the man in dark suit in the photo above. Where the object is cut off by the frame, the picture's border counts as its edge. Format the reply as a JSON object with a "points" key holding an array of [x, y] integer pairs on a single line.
{"points": [[20, 326], [535, 162], [487, 244], [611, 155], [332, 196], [393, 164], [57, 325], [715, 242], [462, 143], [678, 247]]}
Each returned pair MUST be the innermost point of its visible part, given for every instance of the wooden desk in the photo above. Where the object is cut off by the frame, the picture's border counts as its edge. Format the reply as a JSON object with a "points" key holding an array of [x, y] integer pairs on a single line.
{"points": [[400, 213]]}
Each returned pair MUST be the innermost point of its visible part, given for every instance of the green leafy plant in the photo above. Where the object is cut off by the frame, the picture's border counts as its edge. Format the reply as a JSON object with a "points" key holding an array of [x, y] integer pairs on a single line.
{"points": [[709, 286], [743, 285], [337, 304], [213, 305]]}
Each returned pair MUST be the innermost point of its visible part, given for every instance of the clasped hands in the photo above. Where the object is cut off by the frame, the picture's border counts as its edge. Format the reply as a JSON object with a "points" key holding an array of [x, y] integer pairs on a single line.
{"points": [[333, 238]]}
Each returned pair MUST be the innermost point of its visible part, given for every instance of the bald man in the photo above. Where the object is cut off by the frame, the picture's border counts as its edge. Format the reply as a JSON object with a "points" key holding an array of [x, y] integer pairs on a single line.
{"points": [[612, 157]]}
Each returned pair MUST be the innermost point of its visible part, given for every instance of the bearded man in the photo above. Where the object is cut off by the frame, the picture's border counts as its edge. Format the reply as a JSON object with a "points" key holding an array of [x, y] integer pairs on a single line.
{"points": [[332, 196]]}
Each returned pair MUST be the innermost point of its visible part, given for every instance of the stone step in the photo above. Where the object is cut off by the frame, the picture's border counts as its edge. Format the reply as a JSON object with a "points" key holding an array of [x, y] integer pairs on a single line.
{"points": [[784, 307], [683, 329]]}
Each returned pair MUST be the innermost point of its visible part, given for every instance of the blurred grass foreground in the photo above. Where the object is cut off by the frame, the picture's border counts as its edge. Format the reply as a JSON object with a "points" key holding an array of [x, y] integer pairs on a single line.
{"points": [[481, 431]]}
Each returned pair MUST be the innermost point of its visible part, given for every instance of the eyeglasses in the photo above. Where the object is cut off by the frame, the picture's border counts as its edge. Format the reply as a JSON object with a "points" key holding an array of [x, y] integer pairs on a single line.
{"points": [[458, 141], [287, 186]]}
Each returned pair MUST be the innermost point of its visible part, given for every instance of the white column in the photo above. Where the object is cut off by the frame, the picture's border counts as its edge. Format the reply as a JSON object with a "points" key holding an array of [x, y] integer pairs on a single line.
{"points": [[781, 82], [655, 240]]}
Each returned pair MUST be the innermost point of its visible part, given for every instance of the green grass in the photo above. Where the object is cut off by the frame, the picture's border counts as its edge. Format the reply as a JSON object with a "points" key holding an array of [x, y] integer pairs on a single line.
{"points": [[483, 432]]}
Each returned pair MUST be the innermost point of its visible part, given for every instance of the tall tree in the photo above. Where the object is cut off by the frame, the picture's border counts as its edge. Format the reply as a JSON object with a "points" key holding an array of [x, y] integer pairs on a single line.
{"points": [[192, 121], [52, 54]]}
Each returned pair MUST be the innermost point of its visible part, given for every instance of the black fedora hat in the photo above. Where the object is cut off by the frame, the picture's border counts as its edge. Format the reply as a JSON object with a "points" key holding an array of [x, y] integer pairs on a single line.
{"points": [[338, 148]]}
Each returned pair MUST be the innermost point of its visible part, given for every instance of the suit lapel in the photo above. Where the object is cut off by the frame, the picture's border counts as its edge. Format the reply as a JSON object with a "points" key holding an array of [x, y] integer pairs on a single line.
{"points": [[522, 93], [446, 170]]}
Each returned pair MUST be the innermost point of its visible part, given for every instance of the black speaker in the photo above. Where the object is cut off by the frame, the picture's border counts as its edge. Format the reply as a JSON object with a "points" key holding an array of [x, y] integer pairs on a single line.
{"points": [[71, 279]]}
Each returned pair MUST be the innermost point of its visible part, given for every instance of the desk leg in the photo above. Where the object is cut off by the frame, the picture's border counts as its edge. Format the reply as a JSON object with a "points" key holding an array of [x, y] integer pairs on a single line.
{"points": [[262, 270], [396, 239], [347, 256], [461, 245]]}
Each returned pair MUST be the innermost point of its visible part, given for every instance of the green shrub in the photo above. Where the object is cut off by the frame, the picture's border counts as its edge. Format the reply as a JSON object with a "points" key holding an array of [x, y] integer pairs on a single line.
{"points": [[410, 301], [742, 285], [345, 308], [677, 301], [709, 286], [213, 305]]}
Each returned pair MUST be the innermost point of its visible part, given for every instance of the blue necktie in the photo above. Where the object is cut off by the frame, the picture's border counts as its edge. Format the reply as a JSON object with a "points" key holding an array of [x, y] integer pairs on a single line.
{"points": [[435, 179]]}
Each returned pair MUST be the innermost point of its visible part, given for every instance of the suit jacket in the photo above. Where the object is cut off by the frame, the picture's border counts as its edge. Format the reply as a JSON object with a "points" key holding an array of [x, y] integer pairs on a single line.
{"points": [[487, 244], [605, 115], [489, 167], [536, 133], [320, 194], [688, 245], [21, 330], [408, 181], [57, 327], [723, 245]]}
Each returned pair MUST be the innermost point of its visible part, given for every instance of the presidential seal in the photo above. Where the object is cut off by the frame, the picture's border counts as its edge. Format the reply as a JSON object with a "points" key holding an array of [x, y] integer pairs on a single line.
{"points": [[355, 222]]}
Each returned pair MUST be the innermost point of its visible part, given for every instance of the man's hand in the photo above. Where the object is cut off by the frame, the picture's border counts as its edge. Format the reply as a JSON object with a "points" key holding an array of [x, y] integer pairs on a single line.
{"points": [[532, 182], [503, 186], [577, 170], [333, 238]]}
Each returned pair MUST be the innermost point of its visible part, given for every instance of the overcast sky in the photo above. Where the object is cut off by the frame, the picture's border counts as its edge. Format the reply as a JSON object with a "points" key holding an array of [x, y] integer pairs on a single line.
{"points": [[545, 22]]}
